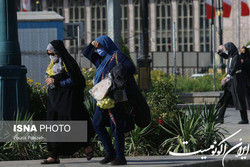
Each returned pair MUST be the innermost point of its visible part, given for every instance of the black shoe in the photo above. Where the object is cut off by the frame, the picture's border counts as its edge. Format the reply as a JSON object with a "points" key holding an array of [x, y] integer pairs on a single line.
{"points": [[90, 154], [107, 159], [221, 121], [243, 122], [119, 161], [51, 161]]}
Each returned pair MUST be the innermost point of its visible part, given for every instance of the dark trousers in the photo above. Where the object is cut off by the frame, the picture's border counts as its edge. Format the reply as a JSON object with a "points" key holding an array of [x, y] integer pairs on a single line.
{"points": [[118, 132], [224, 101]]}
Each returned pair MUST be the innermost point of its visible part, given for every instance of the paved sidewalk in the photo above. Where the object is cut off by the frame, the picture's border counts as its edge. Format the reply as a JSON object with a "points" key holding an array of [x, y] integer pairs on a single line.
{"points": [[145, 161], [232, 117], [231, 120]]}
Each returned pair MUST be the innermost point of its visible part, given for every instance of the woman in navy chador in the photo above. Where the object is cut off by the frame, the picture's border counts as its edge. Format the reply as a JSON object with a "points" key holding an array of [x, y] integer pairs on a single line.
{"points": [[104, 60]]}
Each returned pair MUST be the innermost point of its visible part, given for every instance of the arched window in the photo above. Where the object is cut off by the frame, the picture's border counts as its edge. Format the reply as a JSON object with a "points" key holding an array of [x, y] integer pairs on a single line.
{"points": [[76, 14], [137, 24], [163, 25], [185, 25], [76, 10], [204, 26], [98, 18], [124, 20], [56, 5]]}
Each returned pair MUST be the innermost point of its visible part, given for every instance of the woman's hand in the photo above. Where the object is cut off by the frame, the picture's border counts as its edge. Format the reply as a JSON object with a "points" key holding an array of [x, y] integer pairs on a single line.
{"points": [[96, 44], [49, 81], [223, 81]]}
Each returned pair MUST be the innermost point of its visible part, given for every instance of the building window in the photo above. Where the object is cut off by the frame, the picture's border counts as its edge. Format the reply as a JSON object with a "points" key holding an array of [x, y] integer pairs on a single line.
{"points": [[185, 25], [98, 18], [124, 20], [76, 10], [76, 14], [205, 39], [137, 24], [163, 26], [56, 5]]}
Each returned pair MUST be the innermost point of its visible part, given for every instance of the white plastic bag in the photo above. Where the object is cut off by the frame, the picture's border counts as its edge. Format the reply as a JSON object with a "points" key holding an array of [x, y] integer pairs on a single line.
{"points": [[100, 90]]}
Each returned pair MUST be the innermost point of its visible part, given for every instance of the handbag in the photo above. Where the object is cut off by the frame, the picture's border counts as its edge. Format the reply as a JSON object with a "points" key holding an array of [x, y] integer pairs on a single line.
{"points": [[101, 89], [119, 95]]}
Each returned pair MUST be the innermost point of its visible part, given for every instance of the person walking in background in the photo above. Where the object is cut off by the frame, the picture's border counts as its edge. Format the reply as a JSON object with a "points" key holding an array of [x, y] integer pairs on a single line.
{"points": [[245, 60], [66, 86], [234, 84]]}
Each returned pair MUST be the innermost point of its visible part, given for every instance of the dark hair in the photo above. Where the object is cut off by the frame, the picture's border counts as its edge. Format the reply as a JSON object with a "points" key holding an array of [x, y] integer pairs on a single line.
{"points": [[247, 52]]}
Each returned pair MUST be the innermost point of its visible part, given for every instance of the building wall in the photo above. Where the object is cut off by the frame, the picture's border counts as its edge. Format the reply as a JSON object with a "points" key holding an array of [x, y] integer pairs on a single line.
{"points": [[230, 26], [160, 21]]}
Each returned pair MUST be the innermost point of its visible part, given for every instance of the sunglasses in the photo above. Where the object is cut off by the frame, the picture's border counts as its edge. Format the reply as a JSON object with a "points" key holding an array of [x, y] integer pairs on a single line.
{"points": [[51, 54]]}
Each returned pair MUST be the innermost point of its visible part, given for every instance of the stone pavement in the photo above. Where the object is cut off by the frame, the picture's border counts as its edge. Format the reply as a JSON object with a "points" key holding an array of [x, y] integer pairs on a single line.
{"points": [[231, 119], [142, 161]]}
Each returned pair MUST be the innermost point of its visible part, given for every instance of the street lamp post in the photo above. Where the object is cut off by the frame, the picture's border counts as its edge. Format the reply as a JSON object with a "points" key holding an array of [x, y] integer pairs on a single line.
{"points": [[143, 61], [13, 85], [221, 65]]}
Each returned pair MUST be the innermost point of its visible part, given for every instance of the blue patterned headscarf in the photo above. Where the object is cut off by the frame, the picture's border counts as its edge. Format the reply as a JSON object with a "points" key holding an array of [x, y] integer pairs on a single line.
{"points": [[110, 47]]}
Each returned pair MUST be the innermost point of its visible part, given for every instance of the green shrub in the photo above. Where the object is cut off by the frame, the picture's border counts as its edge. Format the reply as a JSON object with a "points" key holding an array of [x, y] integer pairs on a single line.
{"points": [[199, 84], [89, 76], [22, 150], [38, 97], [136, 142], [197, 126], [162, 99]]}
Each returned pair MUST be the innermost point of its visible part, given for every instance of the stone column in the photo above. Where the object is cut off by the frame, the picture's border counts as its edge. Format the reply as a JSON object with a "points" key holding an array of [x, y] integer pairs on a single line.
{"points": [[152, 16], [66, 17], [114, 21], [175, 19], [196, 25], [131, 26], [13, 84], [44, 3], [88, 21]]}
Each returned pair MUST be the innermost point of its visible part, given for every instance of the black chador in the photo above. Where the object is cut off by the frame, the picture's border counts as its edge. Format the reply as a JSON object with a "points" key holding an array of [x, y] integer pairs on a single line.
{"points": [[66, 98], [235, 84]]}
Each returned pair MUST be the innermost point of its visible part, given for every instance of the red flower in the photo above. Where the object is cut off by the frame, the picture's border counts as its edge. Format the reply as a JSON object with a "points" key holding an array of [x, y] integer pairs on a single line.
{"points": [[160, 121]]}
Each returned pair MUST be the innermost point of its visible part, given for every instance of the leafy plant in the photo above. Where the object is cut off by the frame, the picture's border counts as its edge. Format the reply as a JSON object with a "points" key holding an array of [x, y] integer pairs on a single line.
{"points": [[136, 142], [196, 126], [212, 131], [23, 150], [37, 100], [162, 99], [90, 105]]}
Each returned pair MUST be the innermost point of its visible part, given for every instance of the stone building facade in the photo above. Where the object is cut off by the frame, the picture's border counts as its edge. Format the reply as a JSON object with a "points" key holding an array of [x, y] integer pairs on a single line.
{"points": [[192, 35]]}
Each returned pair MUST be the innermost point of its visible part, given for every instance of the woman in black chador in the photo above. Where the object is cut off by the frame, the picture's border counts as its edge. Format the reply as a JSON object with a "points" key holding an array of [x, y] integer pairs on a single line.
{"points": [[66, 86], [245, 60], [235, 84]]}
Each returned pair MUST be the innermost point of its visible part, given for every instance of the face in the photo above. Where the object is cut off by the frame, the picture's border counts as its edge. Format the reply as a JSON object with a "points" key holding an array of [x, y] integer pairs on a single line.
{"points": [[50, 53], [52, 56], [242, 50]]}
